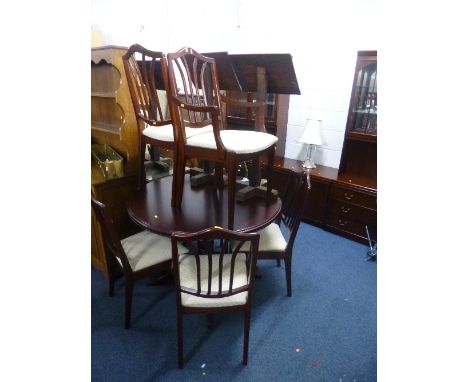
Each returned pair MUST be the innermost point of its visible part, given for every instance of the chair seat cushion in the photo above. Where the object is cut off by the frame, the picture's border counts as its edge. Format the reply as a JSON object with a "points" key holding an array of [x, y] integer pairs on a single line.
{"points": [[271, 239], [237, 141], [145, 249], [188, 279], [166, 132]]}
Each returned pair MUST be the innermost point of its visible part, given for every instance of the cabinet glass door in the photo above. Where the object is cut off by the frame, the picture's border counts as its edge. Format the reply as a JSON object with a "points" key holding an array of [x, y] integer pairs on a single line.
{"points": [[364, 110]]}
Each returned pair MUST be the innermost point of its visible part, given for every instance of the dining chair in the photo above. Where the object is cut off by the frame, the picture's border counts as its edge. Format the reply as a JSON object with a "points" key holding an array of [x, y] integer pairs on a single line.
{"points": [[146, 73], [277, 239], [197, 103], [207, 282], [137, 256]]}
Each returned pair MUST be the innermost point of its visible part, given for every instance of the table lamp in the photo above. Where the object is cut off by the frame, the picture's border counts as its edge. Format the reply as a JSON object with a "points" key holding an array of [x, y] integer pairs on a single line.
{"points": [[313, 137]]}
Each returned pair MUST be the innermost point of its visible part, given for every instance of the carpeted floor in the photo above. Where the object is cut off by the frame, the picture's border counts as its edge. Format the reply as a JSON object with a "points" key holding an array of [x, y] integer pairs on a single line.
{"points": [[325, 332]]}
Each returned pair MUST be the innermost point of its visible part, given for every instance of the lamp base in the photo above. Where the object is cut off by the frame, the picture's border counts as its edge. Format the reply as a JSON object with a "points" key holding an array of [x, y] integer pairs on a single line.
{"points": [[309, 160], [309, 165]]}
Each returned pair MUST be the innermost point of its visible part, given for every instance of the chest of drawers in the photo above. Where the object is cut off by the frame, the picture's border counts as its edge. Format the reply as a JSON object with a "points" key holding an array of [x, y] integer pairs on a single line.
{"points": [[350, 209]]}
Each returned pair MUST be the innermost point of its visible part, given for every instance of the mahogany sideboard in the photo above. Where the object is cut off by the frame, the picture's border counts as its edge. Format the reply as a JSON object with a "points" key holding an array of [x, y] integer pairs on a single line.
{"points": [[335, 204]]}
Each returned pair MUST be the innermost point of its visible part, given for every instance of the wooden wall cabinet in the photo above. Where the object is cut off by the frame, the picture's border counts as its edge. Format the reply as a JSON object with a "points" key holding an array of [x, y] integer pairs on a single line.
{"points": [[353, 201]]}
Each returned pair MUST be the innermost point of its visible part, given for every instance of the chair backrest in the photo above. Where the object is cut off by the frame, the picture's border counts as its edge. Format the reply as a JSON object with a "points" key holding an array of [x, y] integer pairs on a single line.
{"points": [[193, 81], [146, 73], [112, 244], [293, 200], [212, 246]]}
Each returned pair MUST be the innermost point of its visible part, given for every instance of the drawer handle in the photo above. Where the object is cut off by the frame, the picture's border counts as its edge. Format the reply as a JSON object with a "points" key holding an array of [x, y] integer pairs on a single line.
{"points": [[348, 196], [342, 222], [345, 209]]}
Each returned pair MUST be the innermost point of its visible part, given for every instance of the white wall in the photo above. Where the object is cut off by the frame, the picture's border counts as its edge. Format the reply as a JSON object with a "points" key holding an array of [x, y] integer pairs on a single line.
{"points": [[322, 36]]}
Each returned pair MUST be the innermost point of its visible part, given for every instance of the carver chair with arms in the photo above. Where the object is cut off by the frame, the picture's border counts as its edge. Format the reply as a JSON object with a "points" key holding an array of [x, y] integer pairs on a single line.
{"points": [[201, 288], [136, 256], [197, 103]]}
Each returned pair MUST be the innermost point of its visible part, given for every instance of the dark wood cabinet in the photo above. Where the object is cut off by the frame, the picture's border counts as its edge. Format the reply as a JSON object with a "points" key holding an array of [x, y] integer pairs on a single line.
{"points": [[344, 200], [322, 179], [353, 202], [350, 210]]}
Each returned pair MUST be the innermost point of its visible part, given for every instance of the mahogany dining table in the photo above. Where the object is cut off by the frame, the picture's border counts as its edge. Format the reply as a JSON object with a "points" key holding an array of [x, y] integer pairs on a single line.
{"points": [[202, 207]]}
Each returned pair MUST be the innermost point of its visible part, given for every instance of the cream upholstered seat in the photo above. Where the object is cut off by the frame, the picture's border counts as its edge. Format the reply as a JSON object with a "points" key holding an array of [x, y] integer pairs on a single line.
{"points": [[166, 133], [145, 249], [236, 141], [137, 256], [207, 282], [271, 239]]}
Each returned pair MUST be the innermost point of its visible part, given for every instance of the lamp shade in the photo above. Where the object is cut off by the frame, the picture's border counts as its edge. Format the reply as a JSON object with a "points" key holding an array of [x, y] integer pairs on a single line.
{"points": [[312, 133]]}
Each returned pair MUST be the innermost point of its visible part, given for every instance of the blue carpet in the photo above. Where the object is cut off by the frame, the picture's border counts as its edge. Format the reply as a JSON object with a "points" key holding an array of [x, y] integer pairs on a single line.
{"points": [[325, 332]]}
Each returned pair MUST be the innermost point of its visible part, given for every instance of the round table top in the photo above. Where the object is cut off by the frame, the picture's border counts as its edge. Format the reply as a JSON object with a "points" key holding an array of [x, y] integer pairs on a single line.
{"points": [[202, 207]]}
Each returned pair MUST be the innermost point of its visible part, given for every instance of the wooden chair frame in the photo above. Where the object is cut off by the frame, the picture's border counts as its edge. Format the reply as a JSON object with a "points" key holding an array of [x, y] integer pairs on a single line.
{"points": [[113, 251], [202, 107], [294, 198], [143, 84], [200, 244]]}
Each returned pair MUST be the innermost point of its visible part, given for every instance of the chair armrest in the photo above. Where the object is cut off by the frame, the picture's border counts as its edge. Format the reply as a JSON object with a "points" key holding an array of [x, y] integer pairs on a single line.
{"points": [[215, 116]]}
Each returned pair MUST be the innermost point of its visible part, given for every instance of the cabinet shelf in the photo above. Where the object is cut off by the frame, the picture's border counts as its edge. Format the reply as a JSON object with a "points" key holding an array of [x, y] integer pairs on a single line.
{"points": [[106, 127], [104, 94], [365, 111], [364, 137]]}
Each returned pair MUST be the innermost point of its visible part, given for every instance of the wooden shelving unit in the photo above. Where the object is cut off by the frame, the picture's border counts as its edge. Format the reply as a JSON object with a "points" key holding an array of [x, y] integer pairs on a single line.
{"points": [[112, 117], [112, 122]]}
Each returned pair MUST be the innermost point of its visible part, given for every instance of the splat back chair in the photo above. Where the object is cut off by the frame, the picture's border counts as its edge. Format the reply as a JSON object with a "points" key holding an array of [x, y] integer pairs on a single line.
{"points": [[196, 103], [147, 78], [275, 245], [137, 256], [201, 288]]}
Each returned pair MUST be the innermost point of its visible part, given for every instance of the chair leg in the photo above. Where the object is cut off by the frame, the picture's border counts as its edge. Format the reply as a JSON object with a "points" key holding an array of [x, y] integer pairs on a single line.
{"points": [[219, 175], [178, 179], [278, 262], [180, 339], [128, 302], [287, 268], [141, 164], [231, 168], [246, 334], [269, 171]]}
